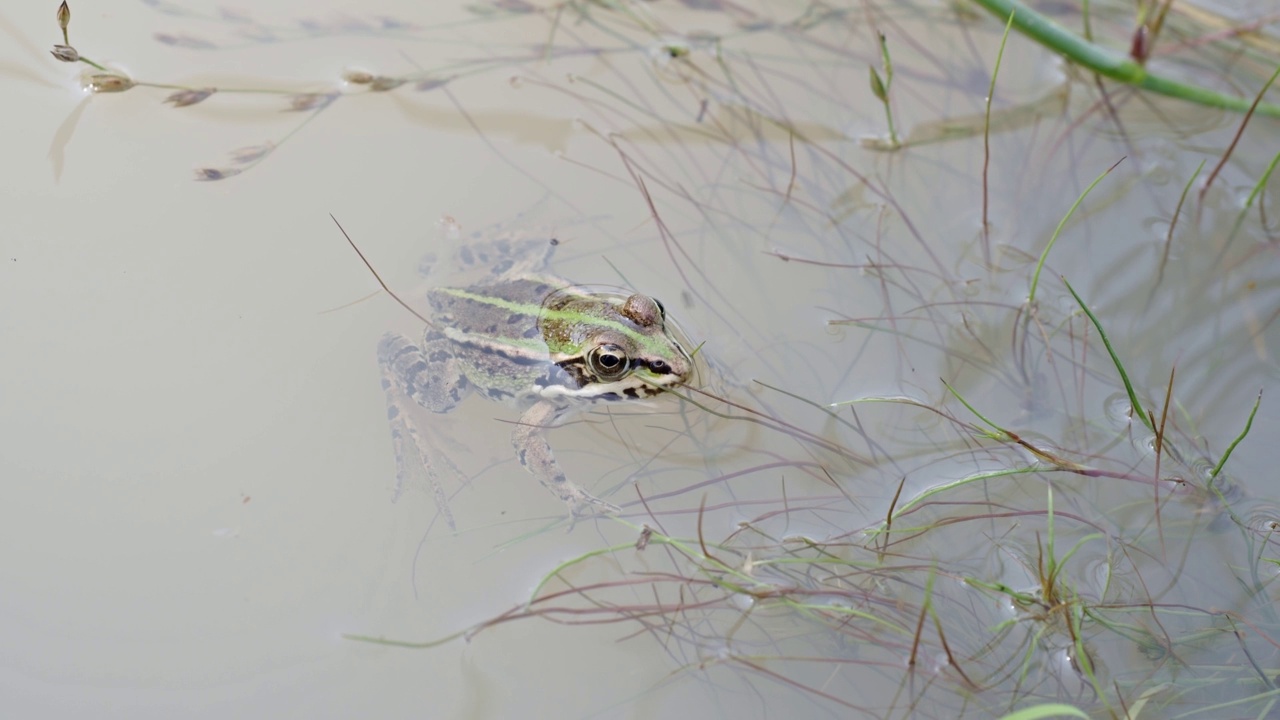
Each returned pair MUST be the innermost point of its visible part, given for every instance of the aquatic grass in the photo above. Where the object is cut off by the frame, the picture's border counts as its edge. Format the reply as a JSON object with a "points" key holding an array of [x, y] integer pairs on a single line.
{"points": [[1053, 239], [66, 52], [1059, 604], [1044, 711], [1226, 455], [1248, 203], [1168, 240], [986, 144], [311, 98], [711, 574], [1255, 586], [1235, 140], [1134, 403], [925, 606], [1003, 435], [881, 86], [1159, 450]]}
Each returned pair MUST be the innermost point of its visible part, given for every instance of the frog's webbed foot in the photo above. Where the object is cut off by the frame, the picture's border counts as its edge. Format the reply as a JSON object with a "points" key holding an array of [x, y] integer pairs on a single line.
{"points": [[588, 507], [416, 459], [584, 505], [536, 456]]}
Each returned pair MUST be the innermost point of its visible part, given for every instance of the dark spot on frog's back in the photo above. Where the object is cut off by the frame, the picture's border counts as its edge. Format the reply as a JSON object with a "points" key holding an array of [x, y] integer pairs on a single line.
{"points": [[513, 319], [412, 371], [527, 361], [465, 255], [532, 332], [503, 266], [498, 394]]}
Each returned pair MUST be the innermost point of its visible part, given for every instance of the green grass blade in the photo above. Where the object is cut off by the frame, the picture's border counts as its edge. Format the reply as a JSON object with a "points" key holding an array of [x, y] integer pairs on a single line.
{"points": [[1128, 386], [1035, 277], [1049, 710], [1248, 204], [1000, 434], [1232, 447]]}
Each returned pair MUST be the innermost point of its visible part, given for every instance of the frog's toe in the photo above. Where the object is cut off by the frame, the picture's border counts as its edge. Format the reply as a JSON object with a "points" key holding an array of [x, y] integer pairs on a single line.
{"points": [[584, 506]]}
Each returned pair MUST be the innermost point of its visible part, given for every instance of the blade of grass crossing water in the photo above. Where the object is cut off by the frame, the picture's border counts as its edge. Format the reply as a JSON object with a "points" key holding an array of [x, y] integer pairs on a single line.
{"points": [[1035, 277], [1050, 710], [1232, 447], [1248, 204], [986, 142], [1128, 386]]}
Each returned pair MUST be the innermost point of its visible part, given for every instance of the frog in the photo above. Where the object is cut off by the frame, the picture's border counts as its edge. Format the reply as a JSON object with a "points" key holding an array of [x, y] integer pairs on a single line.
{"points": [[531, 340]]}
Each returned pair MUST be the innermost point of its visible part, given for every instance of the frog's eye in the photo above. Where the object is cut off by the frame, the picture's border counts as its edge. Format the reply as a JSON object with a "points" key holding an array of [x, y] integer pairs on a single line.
{"points": [[608, 361]]}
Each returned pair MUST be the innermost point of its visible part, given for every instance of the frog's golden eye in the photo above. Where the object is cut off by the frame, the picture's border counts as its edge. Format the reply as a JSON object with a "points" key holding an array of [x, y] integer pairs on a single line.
{"points": [[608, 361]]}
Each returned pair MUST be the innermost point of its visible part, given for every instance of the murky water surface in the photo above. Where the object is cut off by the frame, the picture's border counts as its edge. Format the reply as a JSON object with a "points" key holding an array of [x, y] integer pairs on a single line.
{"points": [[901, 485]]}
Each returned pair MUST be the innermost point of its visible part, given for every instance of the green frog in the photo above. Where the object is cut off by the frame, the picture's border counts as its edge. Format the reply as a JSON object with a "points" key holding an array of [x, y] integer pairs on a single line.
{"points": [[531, 340]]}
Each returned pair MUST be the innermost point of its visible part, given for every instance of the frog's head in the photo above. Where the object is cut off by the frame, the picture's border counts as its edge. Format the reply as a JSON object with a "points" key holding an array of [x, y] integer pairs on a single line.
{"points": [[616, 347]]}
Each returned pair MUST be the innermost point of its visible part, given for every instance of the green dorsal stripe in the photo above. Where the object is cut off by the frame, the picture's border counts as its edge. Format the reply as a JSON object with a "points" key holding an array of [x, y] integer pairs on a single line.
{"points": [[651, 345]]}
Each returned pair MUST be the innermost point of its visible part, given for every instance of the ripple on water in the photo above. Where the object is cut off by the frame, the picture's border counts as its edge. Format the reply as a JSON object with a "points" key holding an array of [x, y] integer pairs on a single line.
{"points": [[1118, 410]]}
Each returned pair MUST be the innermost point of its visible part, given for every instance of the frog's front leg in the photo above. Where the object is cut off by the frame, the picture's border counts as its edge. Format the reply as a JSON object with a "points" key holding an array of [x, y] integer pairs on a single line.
{"points": [[535, 454]]}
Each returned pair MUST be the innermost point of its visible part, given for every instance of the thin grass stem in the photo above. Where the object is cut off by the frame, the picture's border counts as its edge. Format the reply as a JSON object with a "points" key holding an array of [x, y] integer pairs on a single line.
{"points": [[1035, 277]]}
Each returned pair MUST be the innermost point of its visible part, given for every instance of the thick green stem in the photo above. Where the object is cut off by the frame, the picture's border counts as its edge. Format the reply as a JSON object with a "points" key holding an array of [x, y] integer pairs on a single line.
{"points": [[1110, 63]]}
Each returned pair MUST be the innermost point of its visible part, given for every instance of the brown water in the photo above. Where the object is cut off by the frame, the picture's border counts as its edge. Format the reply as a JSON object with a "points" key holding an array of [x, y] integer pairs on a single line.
{"points": [[200, 474]]}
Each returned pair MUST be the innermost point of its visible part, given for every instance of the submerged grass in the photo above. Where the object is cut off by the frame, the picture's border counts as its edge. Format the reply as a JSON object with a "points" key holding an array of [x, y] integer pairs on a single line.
{"points": [[1053, 239], [1136, 405]]}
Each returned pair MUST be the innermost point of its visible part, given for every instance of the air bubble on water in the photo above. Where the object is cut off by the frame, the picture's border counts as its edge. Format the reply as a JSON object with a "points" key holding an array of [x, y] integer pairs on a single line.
{"points": [[356, 76], [1202, 468], [1118, 410], [1158, 228], [743, 601], [107, 83]]}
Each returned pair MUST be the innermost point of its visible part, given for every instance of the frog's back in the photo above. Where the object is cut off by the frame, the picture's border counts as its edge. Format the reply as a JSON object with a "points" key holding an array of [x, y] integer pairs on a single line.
{"points": [[504, 308]]}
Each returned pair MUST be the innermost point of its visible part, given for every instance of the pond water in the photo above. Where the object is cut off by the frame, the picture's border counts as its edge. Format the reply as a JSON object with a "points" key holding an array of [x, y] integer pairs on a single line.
{"points": [[900, 485]]}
